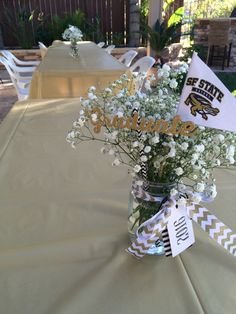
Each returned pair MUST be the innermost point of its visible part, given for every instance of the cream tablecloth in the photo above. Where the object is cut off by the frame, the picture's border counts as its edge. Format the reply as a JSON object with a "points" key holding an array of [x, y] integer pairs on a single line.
{"points": [[61, 76], [63, 230]]}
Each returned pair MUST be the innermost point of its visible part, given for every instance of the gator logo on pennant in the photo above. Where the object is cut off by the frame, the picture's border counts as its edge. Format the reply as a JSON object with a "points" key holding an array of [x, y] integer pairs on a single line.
{"points": [[200, 105], [205, 100]]}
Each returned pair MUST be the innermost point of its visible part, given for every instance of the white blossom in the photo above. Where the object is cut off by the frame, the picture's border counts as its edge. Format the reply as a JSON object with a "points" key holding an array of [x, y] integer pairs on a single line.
{"points": [[173, 83], [172, 153], [120, 114], [179, 171], [94, 117], [108, 90], [72, 33], [200, 187], [144, 158], [103, 150], [199, 148], [155, 139], [160, 92], [92, 96], [137, 168], [173, 192], [184, 146], [135, 144], [219, 138], [147, 149], [230, 151], [111, 152], [166, 68], [92, 89], [116, 162]]}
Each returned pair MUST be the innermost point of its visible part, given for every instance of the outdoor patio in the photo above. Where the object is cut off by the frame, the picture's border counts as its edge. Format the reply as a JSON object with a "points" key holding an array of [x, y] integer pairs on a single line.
{"points": [[8, 96], [118, 156]]}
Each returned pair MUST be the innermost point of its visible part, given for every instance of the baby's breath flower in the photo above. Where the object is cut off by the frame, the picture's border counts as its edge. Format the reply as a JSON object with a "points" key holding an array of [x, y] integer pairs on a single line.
{"points": [[144, 158], [147, 149], [168, 157], [116, 162], [137, 168], [179, 171], [92, 96]]}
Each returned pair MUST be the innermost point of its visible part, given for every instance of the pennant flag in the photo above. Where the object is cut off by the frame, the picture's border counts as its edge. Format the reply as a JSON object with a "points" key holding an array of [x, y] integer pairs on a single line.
{"points": [[205, 100]]}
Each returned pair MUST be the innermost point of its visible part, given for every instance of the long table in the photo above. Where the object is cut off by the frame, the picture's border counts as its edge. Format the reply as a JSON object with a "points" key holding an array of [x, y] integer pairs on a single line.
{"points": [[63, 230], [59, 75]]}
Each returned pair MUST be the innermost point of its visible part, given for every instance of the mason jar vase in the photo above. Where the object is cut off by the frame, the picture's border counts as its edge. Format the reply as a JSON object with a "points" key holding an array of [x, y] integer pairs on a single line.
{"points": [[74, 49], [140, 210]]}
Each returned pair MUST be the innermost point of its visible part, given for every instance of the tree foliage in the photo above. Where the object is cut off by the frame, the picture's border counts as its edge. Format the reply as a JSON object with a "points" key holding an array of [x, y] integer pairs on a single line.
{"points": [[209, 8]]}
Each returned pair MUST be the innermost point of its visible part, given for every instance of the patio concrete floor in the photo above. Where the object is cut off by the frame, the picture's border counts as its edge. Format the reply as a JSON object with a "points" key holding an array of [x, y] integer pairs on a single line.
{"points": [[8, 95]]}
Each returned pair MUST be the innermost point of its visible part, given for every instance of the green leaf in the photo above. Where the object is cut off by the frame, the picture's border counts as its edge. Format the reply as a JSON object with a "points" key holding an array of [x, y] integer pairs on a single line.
{"points": [[176, 17], [31, 16], [167, 4]]}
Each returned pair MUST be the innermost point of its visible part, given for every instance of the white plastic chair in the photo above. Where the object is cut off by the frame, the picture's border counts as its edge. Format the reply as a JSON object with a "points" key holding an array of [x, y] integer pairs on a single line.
{"points": [[43, 49], [143, 65], [101, 44], [10, 56], [21, 72], [41, 45], [140, 69], [128, 57], [109, 49], [21, 85]]}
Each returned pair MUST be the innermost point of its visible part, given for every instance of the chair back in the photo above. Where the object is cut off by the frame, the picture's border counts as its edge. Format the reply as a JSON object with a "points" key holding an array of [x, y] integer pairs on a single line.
{"points": [[18, 70], [10, 56], [43, 49], [41, 45], [101, 44], [110, 48], [21, 92], [128, 57], [143, 65], [11, 72], [219, 32]]}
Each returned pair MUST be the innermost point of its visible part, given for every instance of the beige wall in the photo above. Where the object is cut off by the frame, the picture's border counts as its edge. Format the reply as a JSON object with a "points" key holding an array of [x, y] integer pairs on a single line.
{"points": [[155, 9]]}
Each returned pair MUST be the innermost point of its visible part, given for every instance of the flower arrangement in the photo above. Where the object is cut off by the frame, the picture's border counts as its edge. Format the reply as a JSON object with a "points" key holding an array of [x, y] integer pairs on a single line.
{"points": [[154, 152], [73, 34]]}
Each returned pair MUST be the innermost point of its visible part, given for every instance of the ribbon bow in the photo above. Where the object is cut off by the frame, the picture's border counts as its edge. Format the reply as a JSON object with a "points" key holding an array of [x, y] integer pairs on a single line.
{"points": [[153, 227]]}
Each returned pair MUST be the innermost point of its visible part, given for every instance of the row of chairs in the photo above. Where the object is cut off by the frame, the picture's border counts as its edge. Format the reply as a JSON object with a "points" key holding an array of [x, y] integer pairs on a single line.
{"points": [[21, 71], [140, 66]]}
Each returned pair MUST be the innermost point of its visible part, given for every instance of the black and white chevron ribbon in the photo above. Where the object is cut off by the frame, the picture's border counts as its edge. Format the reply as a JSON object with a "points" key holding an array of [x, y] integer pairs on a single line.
{"points": [[165, 235], [141, 153], [166, 242]]}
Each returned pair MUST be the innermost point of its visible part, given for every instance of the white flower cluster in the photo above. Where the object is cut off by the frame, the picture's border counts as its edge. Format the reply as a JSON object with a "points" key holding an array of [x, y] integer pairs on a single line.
{"points": [[187, 161], [172, 78], [72, 33]]}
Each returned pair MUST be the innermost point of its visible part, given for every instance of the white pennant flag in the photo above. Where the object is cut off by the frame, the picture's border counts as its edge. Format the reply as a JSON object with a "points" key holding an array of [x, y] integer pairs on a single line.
{"points": [[205, 100]]}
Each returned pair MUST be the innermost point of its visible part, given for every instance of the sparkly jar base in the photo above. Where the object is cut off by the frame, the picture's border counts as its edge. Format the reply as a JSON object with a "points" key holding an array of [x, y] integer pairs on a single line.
{"points": [[74, 50], [141, 210]]}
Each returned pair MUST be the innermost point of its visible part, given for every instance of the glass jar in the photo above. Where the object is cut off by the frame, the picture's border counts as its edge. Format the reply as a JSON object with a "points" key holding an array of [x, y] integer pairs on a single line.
{"points": [[140, 210], [74, 49]]}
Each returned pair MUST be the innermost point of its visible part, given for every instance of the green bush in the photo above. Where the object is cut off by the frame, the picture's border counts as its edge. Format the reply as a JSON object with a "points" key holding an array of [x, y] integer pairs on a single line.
{"points": [[30, 27], [21, 25], [188, 52]]}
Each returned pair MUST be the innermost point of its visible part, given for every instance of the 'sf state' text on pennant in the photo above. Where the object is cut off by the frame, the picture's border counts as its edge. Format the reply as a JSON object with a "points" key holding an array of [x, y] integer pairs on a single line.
{"points": [[205, 100]]}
